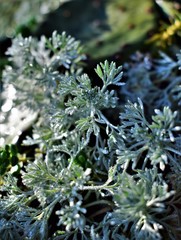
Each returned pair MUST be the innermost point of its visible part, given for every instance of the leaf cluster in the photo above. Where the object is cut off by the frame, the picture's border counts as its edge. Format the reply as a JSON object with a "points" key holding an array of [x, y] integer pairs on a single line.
{"points": [[96, 180]]}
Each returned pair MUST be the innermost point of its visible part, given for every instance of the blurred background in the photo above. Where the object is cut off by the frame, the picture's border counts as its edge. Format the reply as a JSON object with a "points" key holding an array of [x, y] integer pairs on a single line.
{"points": [[105, 27]]}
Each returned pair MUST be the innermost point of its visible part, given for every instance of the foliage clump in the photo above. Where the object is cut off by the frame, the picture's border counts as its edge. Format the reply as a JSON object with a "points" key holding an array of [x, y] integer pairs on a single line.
{"points": [[93, 179]]}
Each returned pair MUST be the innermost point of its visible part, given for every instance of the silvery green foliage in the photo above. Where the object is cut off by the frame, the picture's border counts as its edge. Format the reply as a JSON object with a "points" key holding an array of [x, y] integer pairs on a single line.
{"points": [[50, 190], [94, 179], [156, 82], [138, 200], [34, 73], [34, 77], [154, 140]]}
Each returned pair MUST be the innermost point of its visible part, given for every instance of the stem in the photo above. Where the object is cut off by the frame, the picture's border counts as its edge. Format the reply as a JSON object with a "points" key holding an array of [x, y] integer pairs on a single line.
{"points": [[49, 208], [104, 186], [98, 202], [173, 150], [101, 211]]}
